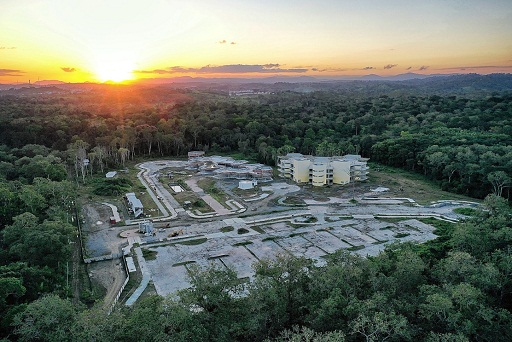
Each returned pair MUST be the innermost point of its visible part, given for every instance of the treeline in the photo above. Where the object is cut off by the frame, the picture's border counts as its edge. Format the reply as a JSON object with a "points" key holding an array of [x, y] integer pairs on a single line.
{"points": [[455, 288], [454, 140], [36, 229]]}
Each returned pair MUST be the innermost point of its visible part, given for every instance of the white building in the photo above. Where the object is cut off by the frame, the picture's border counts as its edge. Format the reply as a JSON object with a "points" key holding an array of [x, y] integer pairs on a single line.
{"points": [[320, 171], [134, 204]]}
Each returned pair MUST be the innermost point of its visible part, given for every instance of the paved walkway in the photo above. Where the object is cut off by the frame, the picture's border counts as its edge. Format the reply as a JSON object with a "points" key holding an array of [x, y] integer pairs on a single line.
{"points": [[146, 277], [114, 211]]}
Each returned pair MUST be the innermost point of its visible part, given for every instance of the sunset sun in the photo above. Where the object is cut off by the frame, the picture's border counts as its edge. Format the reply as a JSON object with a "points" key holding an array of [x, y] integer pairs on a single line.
{"points": [[114, 67]]}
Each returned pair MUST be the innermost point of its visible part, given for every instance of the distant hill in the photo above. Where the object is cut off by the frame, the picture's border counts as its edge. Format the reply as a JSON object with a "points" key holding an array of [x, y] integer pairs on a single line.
{"points": [[369, 84], [48, 82]]}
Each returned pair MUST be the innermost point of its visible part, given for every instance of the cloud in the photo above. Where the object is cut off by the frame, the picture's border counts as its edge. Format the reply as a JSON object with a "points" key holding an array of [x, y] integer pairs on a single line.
{"points": [[66, 69], [423, 67], [390, 66], [224, 41], [226, 69], [368, 68], [329, 69], [11, 72], [7, 47]]}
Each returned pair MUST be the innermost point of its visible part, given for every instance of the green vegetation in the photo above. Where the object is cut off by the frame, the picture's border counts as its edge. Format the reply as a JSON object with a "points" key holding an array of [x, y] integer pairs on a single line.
{"points": [[227, 229], [457, 287], [401, 235], [355, 248], [311, 219], [270, 238], [192, 242], [466, 211], [293, 200], [111, 186], [208, 185], [242, 231], [297, 234], [183, 263], [258, 229], [243, 243], [149, 254]]}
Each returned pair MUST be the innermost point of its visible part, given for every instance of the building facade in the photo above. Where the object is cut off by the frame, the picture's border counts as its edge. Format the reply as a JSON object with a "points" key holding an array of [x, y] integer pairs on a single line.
{"points": [[320, 171], [134, 204]]}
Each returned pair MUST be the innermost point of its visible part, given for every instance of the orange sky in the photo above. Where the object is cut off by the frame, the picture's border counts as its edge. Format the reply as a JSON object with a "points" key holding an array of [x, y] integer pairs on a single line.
{"points": [[77, 41]]}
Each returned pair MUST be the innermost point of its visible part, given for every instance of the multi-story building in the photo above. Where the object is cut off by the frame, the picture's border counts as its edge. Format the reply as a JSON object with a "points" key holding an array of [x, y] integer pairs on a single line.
{"points": [[320, 171]]}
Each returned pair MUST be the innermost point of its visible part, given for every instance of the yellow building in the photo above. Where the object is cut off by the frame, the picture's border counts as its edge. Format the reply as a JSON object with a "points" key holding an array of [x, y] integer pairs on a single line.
{"points": [[320, 171]]}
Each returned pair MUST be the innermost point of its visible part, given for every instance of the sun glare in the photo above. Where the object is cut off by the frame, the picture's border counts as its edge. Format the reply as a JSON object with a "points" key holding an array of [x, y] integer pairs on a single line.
{"points": [[114, 68]]}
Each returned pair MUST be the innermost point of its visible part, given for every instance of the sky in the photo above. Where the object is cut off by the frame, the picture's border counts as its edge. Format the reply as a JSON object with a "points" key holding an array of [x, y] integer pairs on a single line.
{"points": [[101, 40]]}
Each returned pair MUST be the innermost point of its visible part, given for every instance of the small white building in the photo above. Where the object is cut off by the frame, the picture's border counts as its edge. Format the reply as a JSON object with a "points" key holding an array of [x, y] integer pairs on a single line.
{"points": [[247, 184], [111, 174]]}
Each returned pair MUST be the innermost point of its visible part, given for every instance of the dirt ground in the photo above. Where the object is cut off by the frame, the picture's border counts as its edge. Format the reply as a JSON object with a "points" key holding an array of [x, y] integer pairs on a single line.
{"points": [[101, 238], [110, 275]]}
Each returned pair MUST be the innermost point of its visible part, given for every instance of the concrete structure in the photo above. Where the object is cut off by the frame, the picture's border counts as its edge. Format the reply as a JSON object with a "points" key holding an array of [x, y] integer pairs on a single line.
{"points": [[320, 171], [134, 205], [227, 167], [111, 174], [147, 228], [246, 184], [195, 154]]}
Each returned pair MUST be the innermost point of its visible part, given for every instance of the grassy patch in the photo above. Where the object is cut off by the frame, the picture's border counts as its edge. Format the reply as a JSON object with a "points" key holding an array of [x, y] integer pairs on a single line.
{"points": [[466, 211], [242, 231], [408, 184], [401, 235], [183, 263], [192, 242], [379, 242], [297, 234], [243, 243], [387, 228], [111, 186], [355, 248], [270, 238], [149, 254], [218, 256], [227, 229], [293, 200], [208, 185], [297, 225], [258, 229], [443, 228]]}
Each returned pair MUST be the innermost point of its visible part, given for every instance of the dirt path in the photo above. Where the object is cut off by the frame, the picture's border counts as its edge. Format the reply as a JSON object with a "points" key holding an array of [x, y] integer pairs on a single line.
{"points": [[114, 289]]}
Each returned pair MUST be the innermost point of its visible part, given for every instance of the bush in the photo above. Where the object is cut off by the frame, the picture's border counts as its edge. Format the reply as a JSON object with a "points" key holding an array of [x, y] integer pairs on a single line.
{"points": [[111, 186]]}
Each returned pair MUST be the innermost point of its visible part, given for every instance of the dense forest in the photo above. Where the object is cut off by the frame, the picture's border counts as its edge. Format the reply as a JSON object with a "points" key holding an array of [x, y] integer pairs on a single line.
{"points": [[456, 288], [464, 143]]}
